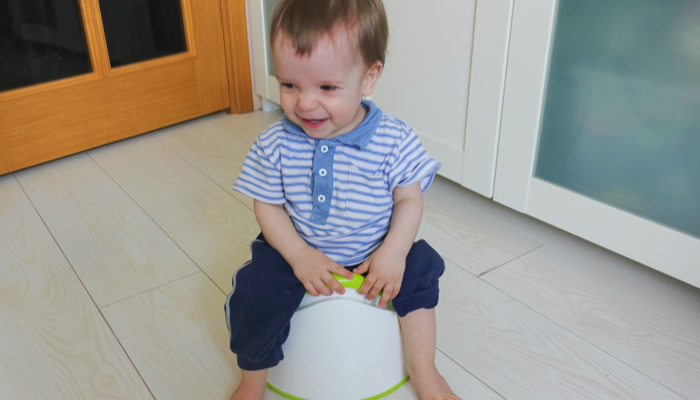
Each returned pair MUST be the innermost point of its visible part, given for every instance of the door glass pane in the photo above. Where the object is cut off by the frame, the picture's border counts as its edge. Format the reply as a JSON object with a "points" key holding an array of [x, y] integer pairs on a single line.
{"points": [[140, 30], [621, 121], [41, 41], [269, 10]]}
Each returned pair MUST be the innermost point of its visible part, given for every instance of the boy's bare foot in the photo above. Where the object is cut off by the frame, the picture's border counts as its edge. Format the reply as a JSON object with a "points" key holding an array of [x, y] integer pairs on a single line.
{"points": [[252, 386], [430, 384]]}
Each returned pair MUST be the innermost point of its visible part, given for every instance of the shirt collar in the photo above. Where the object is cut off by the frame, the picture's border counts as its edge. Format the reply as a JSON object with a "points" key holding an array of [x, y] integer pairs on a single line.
{"points": [[358, 137]]}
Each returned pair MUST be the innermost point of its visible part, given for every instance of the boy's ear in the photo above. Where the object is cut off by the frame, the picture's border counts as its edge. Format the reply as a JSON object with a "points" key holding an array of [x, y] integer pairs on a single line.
{"points": [[371, 78]]}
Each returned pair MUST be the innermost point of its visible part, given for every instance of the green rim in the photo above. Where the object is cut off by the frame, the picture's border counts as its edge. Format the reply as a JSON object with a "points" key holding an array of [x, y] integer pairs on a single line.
{"points": [[380, 395]]}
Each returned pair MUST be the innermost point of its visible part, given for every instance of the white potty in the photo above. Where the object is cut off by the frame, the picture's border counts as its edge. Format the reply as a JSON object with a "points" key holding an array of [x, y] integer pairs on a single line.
{"points": [[341, 347]]}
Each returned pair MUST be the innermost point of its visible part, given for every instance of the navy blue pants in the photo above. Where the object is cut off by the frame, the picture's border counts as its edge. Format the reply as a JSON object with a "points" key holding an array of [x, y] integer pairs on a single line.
{"points": [[266, 293]]}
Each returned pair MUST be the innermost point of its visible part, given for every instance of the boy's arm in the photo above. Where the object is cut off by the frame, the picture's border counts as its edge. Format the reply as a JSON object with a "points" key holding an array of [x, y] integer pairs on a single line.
{"points": [[311, 266], [387, 264]]}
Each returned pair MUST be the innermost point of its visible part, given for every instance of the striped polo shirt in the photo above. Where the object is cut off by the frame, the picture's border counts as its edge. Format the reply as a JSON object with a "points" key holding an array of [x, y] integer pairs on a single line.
{"points": [[338, 192]]}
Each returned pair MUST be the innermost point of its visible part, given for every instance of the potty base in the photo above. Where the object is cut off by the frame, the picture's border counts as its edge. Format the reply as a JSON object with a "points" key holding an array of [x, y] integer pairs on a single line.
{"points": [[379, 396], [340, 347]]}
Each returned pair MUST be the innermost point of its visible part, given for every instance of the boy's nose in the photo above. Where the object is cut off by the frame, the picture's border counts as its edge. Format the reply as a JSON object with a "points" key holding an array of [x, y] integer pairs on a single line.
{"points": [[306, 102]]}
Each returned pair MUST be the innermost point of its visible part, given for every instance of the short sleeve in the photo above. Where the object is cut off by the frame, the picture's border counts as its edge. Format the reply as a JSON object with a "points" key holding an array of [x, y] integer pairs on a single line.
{"points": [[412, 164], [261, 177]]}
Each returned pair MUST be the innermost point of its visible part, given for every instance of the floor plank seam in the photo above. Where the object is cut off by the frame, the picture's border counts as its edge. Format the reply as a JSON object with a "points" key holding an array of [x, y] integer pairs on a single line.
{"points": [[85, 288], [509, 261], [467, 371], [154, 221], [148, 290], [585, 340], [228, 191]]}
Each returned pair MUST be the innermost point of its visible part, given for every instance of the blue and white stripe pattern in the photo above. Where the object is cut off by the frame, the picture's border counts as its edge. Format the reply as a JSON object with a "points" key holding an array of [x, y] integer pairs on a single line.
{"points": [[338, 192]]}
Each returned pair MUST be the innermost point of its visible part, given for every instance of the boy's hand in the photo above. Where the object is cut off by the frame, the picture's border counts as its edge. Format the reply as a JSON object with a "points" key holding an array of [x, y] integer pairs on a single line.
{"points": [[386, 267], [313, 268]]}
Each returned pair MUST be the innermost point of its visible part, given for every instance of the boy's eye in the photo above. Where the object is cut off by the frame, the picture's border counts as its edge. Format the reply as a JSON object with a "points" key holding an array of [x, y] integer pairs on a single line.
{"points": [[288, 85], [328, 87]]}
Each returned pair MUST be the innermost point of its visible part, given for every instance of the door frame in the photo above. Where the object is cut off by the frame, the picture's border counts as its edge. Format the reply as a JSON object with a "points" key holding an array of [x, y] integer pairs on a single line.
{"points": [[233, 13]]}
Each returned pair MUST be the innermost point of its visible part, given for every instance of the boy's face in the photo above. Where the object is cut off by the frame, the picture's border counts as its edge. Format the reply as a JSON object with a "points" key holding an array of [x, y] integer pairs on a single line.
{"points": [[321, 91]]}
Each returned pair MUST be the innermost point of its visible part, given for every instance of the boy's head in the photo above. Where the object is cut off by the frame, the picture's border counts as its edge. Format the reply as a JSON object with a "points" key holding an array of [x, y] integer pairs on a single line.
{"points": [[329, 53], [306, 21]]}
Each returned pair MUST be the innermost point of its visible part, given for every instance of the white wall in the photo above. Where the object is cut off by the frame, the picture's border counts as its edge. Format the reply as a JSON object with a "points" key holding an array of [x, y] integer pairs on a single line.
{"points": [[257, 100]]}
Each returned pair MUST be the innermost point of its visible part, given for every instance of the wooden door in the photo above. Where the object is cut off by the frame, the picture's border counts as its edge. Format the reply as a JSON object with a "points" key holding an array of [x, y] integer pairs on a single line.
{"points": [[128, 87]]}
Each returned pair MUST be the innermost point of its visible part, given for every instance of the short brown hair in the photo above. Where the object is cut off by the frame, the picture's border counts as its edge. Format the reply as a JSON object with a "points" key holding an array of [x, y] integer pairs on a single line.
{"points": [[305, 21]]}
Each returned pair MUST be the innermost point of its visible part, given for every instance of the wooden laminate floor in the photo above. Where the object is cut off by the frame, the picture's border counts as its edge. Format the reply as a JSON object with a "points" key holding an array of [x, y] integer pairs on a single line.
{"points": [[115, 263]]}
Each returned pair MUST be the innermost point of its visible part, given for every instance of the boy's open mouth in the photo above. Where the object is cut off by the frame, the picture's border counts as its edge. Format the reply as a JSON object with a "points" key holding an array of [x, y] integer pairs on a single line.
{"points": [[314, 123]]}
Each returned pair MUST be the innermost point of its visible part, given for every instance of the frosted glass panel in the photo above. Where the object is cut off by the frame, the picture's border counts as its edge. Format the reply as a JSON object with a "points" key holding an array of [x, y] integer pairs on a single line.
{"points": [[621, 121], [269, 10]]}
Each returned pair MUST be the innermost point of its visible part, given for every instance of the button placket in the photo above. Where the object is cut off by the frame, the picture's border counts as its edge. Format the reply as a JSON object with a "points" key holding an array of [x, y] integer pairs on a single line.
{"points": [[322, 190]]}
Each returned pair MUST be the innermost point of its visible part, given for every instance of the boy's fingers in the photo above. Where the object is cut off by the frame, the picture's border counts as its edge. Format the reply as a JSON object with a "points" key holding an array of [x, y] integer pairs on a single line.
{"points": [[362, 268], [334, 284], [367, 285], [322, 288], [311, 289], [342, 272], [386, 296], [374, 291]]}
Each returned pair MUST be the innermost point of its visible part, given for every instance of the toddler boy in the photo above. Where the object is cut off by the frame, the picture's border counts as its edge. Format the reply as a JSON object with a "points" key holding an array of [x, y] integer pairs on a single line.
{"points": [[337, 187]]}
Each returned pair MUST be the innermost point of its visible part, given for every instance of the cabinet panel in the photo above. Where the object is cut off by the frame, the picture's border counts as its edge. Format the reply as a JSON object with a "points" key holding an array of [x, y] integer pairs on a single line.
{"points": [[426, 78], [486, 86], [551, 100], [664, 249], [528, 56], [621, 116]]}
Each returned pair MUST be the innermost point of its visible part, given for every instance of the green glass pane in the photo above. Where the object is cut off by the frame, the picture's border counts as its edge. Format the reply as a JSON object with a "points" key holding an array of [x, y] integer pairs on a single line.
{"points": [[621, 120], [41, 41]]}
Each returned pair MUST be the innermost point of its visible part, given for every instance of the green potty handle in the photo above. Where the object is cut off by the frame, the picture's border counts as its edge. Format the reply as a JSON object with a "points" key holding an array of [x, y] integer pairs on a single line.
{"points": [[353, 283]]}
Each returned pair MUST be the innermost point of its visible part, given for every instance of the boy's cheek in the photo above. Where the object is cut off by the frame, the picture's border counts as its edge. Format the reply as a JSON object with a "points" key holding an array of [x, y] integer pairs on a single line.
{"points": [[287, 106]]}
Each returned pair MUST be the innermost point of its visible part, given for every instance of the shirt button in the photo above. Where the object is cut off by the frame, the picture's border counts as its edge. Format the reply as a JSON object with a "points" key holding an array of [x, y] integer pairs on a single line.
{"points": [[322, 172], [324, 149], [321, 198]]}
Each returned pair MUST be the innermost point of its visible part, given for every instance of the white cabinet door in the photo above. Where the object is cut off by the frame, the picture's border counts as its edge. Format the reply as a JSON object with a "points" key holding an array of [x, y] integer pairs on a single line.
{"points": [[425, 81], [600, 126], [486, 88], [444, 76]]}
